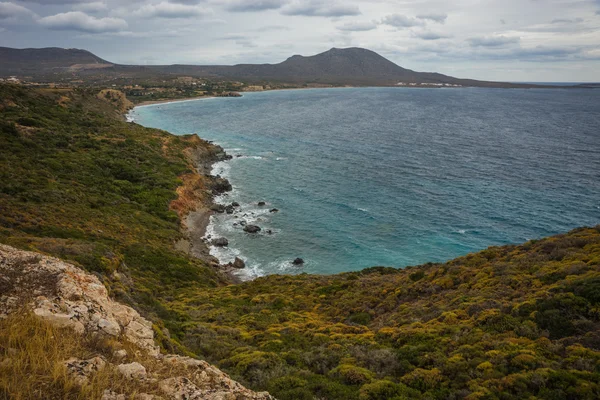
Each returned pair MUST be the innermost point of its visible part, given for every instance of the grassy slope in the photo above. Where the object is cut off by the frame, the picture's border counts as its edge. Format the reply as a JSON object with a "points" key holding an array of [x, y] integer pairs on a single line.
{"points": [[79, 183], [505, 323]]}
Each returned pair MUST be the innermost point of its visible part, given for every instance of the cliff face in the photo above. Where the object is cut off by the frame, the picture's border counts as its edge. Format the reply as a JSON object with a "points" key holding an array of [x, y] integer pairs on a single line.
{"points": [[77, 303]]}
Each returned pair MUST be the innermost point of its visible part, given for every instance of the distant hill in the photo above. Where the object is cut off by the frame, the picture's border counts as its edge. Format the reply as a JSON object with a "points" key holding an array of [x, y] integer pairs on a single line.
{"points": [[40, 61], [351, 66]]}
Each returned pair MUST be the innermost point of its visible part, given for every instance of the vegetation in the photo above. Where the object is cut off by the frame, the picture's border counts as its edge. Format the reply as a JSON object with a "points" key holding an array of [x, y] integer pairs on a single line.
{"points": [[512, 322], [79, 183], [33, 355], [509, 322]]}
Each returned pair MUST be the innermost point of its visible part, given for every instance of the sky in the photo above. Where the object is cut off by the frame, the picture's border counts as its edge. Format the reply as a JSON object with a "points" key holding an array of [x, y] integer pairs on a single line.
{"points": [[503, 40]]}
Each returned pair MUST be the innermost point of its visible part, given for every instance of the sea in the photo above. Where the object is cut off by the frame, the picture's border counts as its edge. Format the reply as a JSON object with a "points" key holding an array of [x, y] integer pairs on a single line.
{"points": [[394, 177]]}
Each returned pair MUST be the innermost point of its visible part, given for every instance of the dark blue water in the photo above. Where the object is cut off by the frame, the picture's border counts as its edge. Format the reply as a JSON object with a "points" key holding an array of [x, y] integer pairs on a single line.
{"points": [[396, 176]]}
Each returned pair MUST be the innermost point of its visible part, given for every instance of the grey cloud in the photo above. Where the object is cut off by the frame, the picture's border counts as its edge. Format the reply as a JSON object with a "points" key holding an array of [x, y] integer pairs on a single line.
{"points": [[567, 21], [428, 35], [255, 5], [47, 2], [357, 26], [402, 21], [272, 28], [79, 21], [171, 10], [188, 2], [317, 8], [93, 7], [493, 41], [439, 18], [12, 10]]}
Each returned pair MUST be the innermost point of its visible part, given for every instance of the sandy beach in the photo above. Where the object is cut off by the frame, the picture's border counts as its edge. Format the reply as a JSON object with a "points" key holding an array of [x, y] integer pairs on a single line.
{"points": [[166, 101]]}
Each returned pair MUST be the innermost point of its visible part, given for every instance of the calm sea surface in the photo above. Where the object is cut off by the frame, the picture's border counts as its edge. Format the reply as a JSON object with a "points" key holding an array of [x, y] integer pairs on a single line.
{"points": [[395, 176]]}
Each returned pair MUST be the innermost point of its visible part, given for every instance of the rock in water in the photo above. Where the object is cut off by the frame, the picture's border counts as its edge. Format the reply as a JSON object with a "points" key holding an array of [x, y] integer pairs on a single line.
{"points": [[274, 210], [298, 261], [220, 208], [262, 204], [252, 229], [235, 204], [239, 263], [220, 242], [229, 209]]}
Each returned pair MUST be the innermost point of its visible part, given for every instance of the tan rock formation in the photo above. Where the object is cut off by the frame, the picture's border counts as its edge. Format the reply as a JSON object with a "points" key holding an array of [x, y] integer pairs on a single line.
{"points": [[67, 296]]}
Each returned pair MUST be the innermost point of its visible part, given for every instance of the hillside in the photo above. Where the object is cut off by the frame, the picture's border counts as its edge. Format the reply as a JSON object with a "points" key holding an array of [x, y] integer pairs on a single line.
{"points": [[46, 61], [78, 183], [351, 66]]}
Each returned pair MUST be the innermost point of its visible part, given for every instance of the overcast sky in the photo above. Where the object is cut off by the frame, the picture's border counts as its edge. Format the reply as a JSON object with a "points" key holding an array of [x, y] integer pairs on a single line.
{"points": [[507, 40]]}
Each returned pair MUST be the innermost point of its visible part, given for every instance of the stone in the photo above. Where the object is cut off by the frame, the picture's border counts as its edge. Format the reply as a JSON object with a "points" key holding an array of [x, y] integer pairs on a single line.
{"points": [[132, 370], [219, 208], [110, 327], [262, 204], [110, 395], [120, 354], [235, 204], [298, 261], [220, 242], [239, 263], [82, 370], [273, 210], [229, 209], [252, 229]]}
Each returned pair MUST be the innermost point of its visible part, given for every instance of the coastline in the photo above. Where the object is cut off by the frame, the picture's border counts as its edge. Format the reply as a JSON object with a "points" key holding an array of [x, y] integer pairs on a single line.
{"points": [[195, 203], [168, 101]]}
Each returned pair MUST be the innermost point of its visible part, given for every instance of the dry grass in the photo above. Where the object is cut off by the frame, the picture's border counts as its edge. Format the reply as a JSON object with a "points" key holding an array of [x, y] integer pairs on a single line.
{"points": [[32, 356]]}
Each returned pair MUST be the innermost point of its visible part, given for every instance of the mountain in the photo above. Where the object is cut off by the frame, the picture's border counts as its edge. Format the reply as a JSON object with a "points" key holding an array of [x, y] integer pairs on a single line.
{"points": [[21, 62], [351, 66]]}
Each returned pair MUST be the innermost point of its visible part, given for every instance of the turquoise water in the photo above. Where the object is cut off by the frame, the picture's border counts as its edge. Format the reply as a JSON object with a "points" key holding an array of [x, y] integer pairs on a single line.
{"points": [[395, 176]]}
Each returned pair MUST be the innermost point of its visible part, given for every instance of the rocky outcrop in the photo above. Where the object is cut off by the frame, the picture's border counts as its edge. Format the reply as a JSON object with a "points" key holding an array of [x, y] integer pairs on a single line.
{"points": [[252, 229], [69, 297]]}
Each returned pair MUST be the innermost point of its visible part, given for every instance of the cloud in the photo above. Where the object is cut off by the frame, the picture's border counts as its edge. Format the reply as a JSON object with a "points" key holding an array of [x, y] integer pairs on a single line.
{"points": [[12, 10], [567, 21], [254, 5], [439, 18], [47, 2], [93, 7], [318, 8], [188, 2], [273, 28], [402, 21], [493, 41], [79, 21], [428, 35], [171, 10], [357, 26]]}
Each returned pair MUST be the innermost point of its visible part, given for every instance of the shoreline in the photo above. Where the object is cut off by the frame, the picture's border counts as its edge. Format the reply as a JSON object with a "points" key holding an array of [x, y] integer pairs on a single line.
{"points": [[168, 101], [196, 203]]}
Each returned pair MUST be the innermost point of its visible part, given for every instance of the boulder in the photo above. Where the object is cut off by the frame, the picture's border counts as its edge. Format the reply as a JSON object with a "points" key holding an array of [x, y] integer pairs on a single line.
{"points": [[221, 185], [274, 210], [235, 204], [133, 370], [252, 229], [219, 208], [220, 242], [229, 209], [262, 204], [298, 261], [239, 263], [82, 370]]}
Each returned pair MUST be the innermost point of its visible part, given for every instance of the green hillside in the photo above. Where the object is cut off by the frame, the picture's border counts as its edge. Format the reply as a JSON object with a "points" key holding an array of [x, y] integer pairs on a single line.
{"points": [[512, 322]]}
